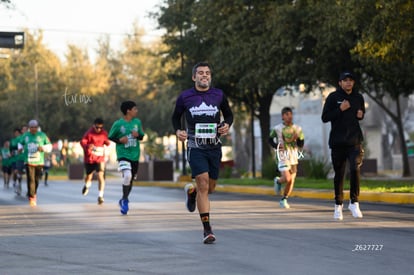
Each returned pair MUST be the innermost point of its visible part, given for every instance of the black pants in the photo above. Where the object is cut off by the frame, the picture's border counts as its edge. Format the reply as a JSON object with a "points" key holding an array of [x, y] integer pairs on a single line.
{"points": [[354, 155], [33, 173]]}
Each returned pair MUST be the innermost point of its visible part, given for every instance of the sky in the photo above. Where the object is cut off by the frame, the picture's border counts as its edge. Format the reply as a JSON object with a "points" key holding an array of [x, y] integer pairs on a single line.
{"points": [[80, 22]]}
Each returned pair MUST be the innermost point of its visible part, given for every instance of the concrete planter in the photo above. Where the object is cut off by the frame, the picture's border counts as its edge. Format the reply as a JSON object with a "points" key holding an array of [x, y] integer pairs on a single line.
{"points": [[156, 170], [369, 167], [75, 171]]}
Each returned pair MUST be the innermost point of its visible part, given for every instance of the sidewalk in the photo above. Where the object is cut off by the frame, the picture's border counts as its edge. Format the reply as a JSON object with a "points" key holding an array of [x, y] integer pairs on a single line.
{"points": [[396, 198]]}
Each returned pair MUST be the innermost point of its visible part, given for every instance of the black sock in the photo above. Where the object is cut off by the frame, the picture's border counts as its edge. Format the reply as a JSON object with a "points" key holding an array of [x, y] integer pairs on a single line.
{"points": [[126, 189], [205, 219]]}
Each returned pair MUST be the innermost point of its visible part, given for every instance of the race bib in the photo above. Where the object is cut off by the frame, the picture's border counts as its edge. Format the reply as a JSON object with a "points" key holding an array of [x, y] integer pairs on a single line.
{"points": [[34, 157], [205, 130], [98, 151], [33, 153]]}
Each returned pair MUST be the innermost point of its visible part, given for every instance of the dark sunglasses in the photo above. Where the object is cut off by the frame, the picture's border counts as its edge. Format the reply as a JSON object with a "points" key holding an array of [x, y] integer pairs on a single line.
{"points": [[98, 127]]}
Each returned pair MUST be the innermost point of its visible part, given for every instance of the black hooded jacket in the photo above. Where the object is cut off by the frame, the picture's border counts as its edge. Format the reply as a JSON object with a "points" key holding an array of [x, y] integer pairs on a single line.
{"points": [[345, 128]]}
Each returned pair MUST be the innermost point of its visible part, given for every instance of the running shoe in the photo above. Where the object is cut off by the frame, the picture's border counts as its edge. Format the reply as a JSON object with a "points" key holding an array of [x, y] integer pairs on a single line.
{"points": [[338, 212], [100, 200], [209, 237], [123, 204], [190, 197], [354, 208], [85, 190], [32, 201], [277, 185], [284, 204]]}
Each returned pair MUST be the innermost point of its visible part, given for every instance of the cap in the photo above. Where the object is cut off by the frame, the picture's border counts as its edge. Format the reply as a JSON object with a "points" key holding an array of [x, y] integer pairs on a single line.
{"points": [[33, 123], [346, 74]]}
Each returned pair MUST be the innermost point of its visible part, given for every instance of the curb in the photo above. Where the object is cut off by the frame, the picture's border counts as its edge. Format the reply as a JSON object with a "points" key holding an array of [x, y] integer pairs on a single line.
{"points": [[395, 198]]}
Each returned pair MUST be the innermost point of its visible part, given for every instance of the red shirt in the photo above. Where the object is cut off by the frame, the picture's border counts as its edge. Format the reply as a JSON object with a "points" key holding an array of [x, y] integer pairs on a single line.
{"points": [[93, 145]]}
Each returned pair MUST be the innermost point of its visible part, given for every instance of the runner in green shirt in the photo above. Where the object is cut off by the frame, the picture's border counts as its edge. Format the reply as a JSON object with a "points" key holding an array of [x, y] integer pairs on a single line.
{"points": [[6, 163], [17, 161], [34, 144], [126, 133]]}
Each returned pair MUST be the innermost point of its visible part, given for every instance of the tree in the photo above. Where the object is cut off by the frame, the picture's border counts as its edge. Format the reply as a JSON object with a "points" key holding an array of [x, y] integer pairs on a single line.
{"points": [[184, 47], [67, 96], [82, 86], [373, 38], [386, 53], [32, 86], [238, 40], [146, 79], [6, 3]]}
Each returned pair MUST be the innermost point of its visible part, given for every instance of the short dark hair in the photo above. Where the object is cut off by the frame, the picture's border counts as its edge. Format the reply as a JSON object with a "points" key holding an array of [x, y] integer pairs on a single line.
{"points": [[286, 110], [201, 64], [98, 120], [127, 105]]}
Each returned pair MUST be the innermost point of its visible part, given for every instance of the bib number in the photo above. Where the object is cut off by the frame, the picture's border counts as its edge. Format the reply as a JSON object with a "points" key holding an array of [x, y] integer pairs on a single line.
{"points": [[206, 130], [33, 153], [98, 151]]}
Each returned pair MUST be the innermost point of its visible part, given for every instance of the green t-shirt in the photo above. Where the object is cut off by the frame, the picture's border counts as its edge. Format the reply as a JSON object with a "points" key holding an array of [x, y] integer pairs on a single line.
{"points": [[21, 156], [120, 128], [5, 157], [287, 135], [14, 142], [31, 143]]}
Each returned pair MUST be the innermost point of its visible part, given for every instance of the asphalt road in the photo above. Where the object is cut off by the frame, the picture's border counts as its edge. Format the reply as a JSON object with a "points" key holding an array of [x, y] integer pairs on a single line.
{"points": [[70, 234]]}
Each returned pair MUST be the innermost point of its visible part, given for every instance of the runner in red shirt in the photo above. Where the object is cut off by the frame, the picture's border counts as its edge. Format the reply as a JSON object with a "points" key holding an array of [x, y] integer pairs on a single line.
{"points": [[93, 144]]}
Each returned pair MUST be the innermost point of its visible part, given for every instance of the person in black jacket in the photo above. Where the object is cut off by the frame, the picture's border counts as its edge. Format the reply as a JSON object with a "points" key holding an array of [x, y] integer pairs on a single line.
{"points": [[344, 108]]}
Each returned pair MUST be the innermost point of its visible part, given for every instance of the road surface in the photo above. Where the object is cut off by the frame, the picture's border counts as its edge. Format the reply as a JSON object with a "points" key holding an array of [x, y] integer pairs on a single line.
{"points": [[68, 233]]}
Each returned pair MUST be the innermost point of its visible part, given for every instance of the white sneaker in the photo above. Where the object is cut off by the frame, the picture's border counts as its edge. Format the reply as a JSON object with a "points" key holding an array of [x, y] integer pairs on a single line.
{"points": [[338, 212], [354, 208], [284, 204]]}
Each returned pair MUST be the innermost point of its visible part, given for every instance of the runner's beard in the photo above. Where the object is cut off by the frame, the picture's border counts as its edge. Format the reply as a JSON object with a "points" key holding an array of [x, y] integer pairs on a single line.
{"points": [[203, 84]]}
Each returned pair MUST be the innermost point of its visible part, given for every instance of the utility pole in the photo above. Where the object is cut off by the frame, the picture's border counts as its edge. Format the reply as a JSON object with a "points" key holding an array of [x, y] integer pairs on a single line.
{"points": [[36, 90], [252, 134]]}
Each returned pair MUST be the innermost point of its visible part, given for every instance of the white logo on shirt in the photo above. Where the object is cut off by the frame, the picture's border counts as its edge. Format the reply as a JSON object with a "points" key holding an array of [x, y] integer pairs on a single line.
{"points": [[204, 109]]}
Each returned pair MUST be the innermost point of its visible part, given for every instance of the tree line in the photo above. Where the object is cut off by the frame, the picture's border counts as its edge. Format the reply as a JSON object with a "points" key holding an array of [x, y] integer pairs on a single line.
{"points": [[258, 46], [66, 96]]}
